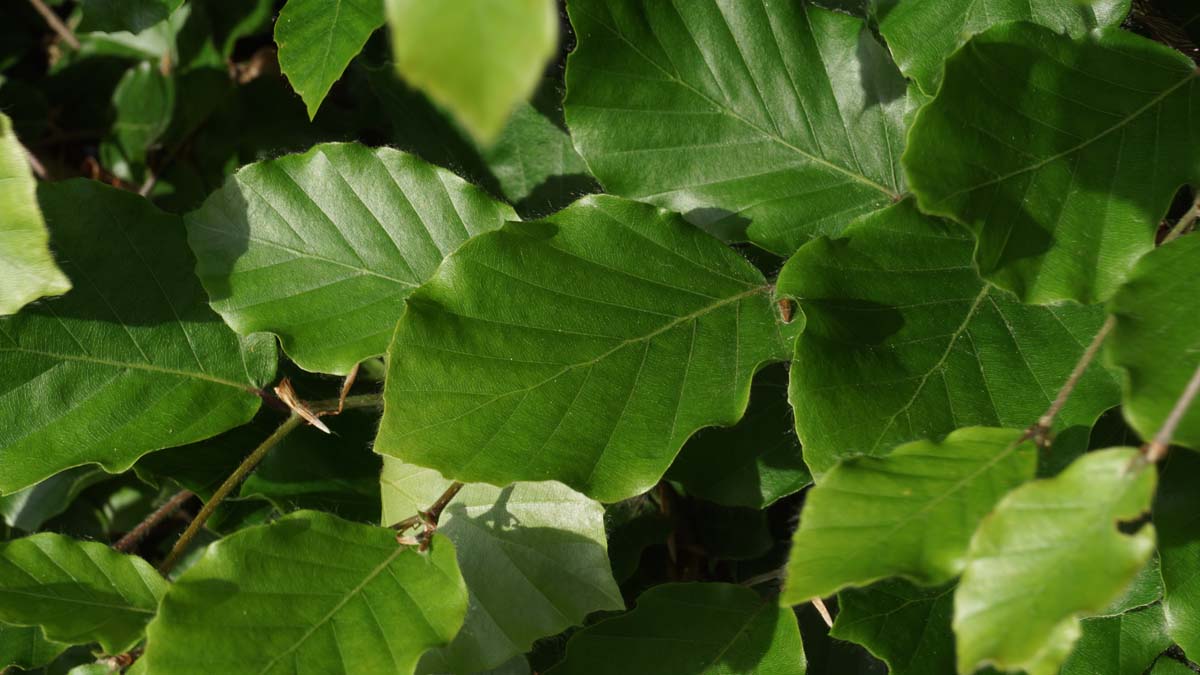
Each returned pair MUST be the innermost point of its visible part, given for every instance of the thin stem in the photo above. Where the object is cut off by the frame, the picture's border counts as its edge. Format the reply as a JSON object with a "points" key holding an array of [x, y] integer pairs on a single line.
{"points": [[56, 23], [428, 519], [1046, 421], [823, 611], [1185, 221], [1162, 440], [239, 474], [328, 405], [143, 528]]}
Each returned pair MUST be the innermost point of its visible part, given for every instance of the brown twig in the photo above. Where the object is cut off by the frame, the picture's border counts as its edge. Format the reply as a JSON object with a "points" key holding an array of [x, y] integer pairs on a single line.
{"points": [[239, 474], [56, 23], [143, 528], [1040, 432], [39, 169], [1157, 449], [427, 520]]}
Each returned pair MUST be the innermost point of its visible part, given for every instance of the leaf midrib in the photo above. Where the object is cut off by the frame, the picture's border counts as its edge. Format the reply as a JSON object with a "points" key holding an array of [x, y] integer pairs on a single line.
{"points": [[149, 367]]}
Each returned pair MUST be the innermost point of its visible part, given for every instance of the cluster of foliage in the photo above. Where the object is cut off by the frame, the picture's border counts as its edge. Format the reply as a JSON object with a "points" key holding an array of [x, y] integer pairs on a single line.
{"points": [[608, 336]]}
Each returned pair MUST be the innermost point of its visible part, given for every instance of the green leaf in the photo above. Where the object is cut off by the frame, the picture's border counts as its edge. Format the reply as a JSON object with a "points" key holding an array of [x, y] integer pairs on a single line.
{"points": [[1050, 552], [546, 351], [132, 360], [633, 526], [25, 647], [911, 513], [773, 122], [77, 591], [313, 470], [1052, 151], [532, 554], [534, 154], [904, 341], [309, 590], [921, 35], [1122, 644], [905, 625], [134, 16], [690, 628], [143, 101], [27, 509], [477, 58], [1166, 665], [321, 248], [27, 270], [753, 463], [1175, 509], [1156, 340], [317, 41]]}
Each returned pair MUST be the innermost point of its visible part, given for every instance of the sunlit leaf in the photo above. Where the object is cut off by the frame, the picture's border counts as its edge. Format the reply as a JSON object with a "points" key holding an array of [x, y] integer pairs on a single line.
{"points": [[317, 41]]}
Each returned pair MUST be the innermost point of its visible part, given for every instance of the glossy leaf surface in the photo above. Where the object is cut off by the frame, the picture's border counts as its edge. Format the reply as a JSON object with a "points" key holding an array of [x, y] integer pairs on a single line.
{"points": [[321, 248], [772, 122], [132, 360], [1053, 152], [904, 341], [545, 351], [308, 591], [533, 555]]}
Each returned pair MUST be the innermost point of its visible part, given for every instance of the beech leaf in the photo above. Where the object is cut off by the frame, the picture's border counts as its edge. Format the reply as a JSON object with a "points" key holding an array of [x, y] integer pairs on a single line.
{"points": [[772, 122], [321, 248], [904, 341], [272, 599], [911, 513], [705, 629], [905, 625], [545, 351], [533, 556], [77, 591], [26, 648], [1053, 152], [27, 270], [1175, 509], [1050, 552], [1156, 339], [130, 361], [317, 41]]}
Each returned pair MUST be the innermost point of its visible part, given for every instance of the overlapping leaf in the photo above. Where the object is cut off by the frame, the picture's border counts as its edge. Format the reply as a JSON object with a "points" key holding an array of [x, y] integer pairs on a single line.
{"points": [[1061, 155], [477, 58], [77, 591], [1120, 644], [706, 629], [143, 101], [309, 592], [905, 625], [768, 121], [133, 16], [27, 270], [27, 509], [546, 351], [904, 341], [132, 360], [1050, 552], [1175, 509], [921, 35], [321, 248], [532, 554], [1156, 340], [25, 647], [317, 41], [911, 513]]}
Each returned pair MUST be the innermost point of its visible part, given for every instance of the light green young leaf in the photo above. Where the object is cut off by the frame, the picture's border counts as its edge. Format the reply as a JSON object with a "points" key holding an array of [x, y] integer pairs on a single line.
{"points": [[904, 341], [132, 360], [921, 35], [1050, 552], [753, 463], [1156, 340], [546, 351], [773, 122], [1175, 509], [317, 40], [477, 58], [27, 270], [26, 648], [1053, 151], [906, 626], [308, 590], [910, 514], [144, 100], [702, 629], [532, 554], [321, 248], [77, 591]]}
